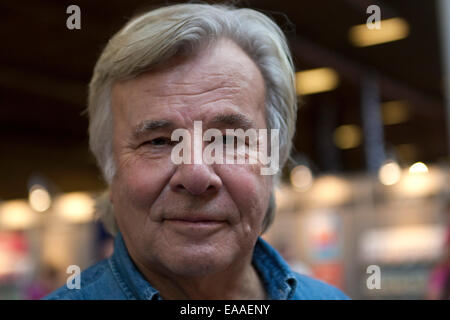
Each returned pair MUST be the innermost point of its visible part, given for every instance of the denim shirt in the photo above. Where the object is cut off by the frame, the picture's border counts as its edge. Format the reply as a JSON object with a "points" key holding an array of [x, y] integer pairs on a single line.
{"points": [[117, 278]]}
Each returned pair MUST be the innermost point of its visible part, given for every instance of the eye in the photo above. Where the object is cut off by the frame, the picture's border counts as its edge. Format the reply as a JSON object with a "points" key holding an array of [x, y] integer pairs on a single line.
{"points": [[160, 141]]}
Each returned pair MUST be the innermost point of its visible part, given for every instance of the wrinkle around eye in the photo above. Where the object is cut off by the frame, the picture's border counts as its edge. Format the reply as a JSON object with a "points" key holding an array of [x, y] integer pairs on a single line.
{"points": [[125, 159], [133, 154]]}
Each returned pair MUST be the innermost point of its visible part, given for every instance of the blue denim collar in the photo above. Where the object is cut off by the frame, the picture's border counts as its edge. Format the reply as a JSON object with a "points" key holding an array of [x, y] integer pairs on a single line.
{"points": [[130, 279], [278, 279]]}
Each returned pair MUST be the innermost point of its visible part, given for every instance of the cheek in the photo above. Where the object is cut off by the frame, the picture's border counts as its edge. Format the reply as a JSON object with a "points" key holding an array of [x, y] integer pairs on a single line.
{"points": [[141, 182], [249, 190]]}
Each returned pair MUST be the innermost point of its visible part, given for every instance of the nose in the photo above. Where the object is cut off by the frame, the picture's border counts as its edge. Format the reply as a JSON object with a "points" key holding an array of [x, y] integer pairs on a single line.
{"points": [[196, 179]]}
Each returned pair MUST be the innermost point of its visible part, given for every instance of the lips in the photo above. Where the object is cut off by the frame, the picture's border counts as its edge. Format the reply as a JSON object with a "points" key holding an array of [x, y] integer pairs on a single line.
{"points": [[193, 221], [196, 218], [199, 223], [195, 226]]}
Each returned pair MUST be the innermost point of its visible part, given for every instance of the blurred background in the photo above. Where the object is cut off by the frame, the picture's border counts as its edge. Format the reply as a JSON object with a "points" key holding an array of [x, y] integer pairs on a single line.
{"points": [[367, 184]]}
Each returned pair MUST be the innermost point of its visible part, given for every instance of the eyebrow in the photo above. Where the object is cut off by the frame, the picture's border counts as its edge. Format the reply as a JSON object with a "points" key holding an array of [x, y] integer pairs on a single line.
{"points": [[151, 125], [234, 120]]}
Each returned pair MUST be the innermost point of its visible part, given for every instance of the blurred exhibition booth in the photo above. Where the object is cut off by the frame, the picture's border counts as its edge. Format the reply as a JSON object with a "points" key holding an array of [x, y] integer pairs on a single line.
{"points": [[367, 187]]}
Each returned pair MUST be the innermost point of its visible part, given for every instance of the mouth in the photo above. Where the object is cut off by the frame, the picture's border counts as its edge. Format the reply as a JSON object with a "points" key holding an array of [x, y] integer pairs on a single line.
{"points": [[195, 218], [194, 221], [194, 227]]}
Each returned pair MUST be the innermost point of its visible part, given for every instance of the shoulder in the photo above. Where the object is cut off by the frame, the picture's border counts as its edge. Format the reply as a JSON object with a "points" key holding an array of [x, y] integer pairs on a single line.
{"points": [[97, 282], [312, 289]]}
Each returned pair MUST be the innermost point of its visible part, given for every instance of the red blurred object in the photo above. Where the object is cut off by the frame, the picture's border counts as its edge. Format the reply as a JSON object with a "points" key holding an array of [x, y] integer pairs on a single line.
{"points": [[330, 272]]}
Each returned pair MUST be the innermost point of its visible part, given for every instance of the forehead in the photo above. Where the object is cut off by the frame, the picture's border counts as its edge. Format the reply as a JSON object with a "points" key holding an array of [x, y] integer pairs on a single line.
{"points": [[221, 78]]}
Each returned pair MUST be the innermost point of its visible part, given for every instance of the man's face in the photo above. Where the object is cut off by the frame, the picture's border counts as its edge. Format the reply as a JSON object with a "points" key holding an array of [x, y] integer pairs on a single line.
{"points": [[188, 219]]}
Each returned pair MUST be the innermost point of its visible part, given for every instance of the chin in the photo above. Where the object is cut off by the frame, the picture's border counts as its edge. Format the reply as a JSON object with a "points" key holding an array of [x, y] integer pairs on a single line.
{"points": [[198, 263]]}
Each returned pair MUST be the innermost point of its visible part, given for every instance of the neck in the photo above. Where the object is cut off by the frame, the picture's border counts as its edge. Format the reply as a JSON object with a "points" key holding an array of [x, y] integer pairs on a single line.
{"points": [[240, 282]]}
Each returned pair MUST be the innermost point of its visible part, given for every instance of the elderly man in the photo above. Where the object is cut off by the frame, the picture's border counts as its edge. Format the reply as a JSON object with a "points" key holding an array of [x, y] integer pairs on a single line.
{"points": [[191, 230]]}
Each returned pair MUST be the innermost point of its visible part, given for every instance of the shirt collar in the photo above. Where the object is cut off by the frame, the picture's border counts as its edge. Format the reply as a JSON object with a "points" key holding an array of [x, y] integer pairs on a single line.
{"points": [[130, 279], [278, 279]]}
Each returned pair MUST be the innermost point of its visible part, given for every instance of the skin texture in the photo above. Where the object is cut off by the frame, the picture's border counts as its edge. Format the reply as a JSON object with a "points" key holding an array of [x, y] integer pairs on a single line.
{"points": [[155, 200]]}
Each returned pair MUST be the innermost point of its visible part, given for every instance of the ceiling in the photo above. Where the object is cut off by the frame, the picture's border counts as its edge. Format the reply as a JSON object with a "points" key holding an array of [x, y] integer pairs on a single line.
{"points": [[45, 68]]}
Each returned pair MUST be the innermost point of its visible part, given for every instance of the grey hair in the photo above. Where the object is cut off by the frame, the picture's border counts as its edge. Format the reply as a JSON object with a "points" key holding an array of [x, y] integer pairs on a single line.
{"points": [[158, 35]]}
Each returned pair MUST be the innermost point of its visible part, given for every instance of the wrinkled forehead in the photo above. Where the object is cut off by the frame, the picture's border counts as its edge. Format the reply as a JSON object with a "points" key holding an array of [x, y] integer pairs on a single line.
{"points": [[221, 63], [223, 59]]}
